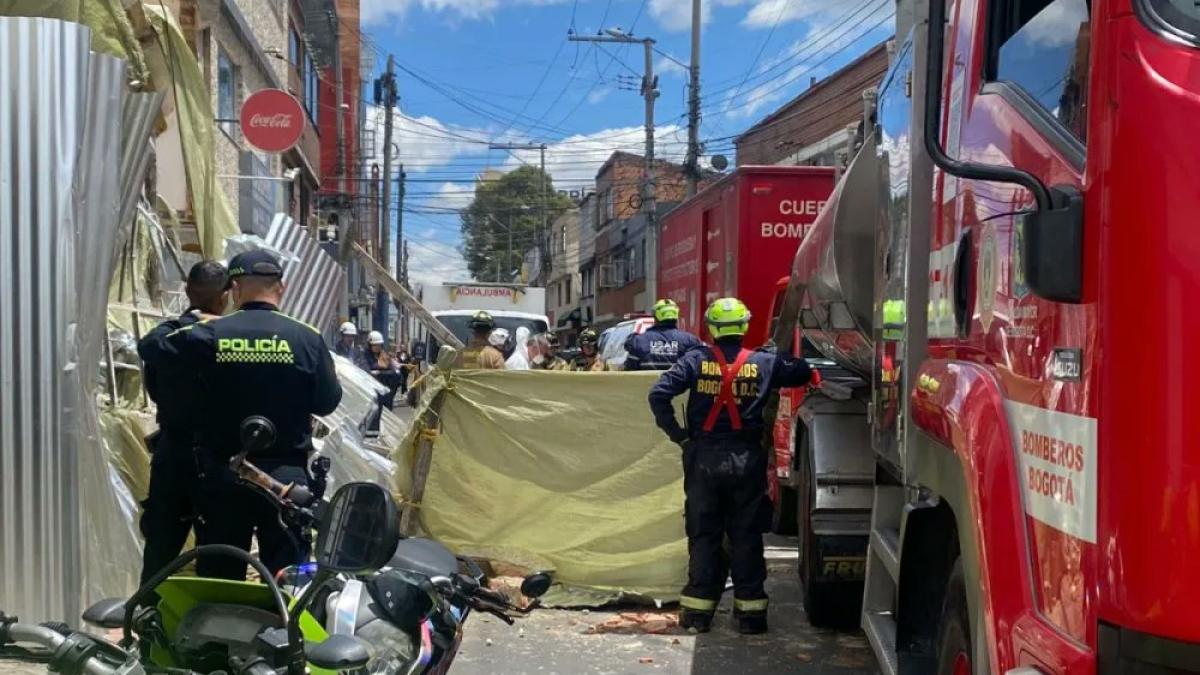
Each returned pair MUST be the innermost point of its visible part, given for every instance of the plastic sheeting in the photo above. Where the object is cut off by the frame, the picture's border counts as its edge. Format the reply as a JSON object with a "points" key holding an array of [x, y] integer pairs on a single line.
{"points": [[561, 469]]}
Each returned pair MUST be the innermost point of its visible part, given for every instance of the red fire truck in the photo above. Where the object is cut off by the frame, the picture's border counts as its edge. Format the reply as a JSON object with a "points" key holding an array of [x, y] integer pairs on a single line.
{"points": [[1007, 264], [737, 238]]}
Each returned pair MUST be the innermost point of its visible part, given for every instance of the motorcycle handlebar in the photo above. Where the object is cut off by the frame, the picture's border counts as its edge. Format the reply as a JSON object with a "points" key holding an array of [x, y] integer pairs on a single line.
{"points": [[52, 641]]}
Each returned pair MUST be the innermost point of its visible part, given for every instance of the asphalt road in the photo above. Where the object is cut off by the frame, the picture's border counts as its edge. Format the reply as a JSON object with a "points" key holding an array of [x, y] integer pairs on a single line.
{"points": [[556, 642]]}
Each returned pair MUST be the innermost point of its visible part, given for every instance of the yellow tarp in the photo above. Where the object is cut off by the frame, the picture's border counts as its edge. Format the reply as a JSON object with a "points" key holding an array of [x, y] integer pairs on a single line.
{"points": [[565, 468]]}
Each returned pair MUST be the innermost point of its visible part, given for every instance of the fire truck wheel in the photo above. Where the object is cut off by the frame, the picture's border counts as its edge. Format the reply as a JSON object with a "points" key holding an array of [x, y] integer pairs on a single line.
{"points": [[954, 630], [829, 603]]}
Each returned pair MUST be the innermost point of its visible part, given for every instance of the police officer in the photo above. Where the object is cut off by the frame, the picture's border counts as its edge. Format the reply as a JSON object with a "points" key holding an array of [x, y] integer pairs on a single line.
{"points": [[589, 354], [725, 465], [479, 353], [663, 343], [168, 511], [256, 361]]}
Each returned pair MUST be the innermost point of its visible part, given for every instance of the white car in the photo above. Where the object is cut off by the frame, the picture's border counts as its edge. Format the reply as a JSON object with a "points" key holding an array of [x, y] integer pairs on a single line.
{"points": [[612, 340]]}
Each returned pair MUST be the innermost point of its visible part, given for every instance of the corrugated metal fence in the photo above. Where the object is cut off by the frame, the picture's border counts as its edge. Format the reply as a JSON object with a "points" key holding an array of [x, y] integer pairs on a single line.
{"points": [[315, 280]]}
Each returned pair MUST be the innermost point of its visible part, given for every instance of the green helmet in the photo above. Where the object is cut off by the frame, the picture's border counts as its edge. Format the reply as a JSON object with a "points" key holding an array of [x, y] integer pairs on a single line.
{"points": [[482, 320], [727, 317], [666, 310], [588, 337]]}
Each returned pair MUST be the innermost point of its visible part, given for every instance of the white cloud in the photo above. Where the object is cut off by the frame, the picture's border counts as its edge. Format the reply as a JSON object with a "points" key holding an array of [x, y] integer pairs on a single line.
{"points": [[431, 261], [767, 13], [574, 161], [455, 195], [424, 142], [668, 68], [375, 12], [598, 94], [811, 56], [676, 15]]}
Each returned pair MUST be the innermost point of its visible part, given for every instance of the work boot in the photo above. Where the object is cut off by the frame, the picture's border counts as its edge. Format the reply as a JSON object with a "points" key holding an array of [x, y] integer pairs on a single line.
{"points": [[751, 623], [690, 619]]}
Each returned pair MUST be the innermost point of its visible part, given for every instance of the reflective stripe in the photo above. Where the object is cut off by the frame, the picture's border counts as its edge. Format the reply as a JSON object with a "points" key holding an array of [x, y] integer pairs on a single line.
{"points": [[725, 397], [698, 604], [750, 605]]}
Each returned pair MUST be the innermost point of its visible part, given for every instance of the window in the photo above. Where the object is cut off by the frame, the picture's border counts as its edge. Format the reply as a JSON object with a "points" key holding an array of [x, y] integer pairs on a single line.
{"points": [[312, 88], [587, 281], [609, 205], [562, 239], [568, 291], [294, 49], [1173, 18], [631, 265], [1041, 47], [226, 92]]}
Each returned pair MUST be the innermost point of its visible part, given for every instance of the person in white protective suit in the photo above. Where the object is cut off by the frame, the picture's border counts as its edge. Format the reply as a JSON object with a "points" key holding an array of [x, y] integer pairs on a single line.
{"points": [[520, 356]]}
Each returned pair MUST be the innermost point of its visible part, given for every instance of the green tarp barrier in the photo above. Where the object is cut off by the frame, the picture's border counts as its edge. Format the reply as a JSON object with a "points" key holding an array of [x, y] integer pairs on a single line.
{"points": [[564, 470]]}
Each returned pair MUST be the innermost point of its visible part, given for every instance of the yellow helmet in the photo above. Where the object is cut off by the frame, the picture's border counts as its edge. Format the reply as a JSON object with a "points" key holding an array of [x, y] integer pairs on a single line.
{"points": [[727, 317], [666, 310]]}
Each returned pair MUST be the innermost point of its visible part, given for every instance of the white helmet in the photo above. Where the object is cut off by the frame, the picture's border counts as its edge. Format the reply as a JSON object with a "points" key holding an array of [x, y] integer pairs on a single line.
{"points": [[498, 337], [348, 328], [374, 338]]}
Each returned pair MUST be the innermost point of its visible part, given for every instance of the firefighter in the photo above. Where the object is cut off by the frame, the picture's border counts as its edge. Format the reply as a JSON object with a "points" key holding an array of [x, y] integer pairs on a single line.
{"points": [[168, 512], [589, 354], [348, 347], [553, 361], [256, 361], [479, 353], [725, 464], [663, 343]]}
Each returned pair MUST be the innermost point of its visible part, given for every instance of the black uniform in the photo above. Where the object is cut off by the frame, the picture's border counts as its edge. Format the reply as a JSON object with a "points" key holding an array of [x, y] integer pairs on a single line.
{"points": [[169, 509], [659, 347], [256, 361], [725, 465]]}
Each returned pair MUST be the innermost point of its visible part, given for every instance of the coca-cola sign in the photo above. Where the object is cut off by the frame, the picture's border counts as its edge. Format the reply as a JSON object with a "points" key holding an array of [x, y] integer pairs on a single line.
{"points": [[272, 120]]}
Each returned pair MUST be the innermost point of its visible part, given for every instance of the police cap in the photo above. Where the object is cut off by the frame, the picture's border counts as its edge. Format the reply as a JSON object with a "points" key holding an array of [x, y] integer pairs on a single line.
{"points": [[256, 263]]}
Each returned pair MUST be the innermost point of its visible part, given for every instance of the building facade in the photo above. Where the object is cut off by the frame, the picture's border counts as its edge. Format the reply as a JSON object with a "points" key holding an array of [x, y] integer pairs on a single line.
{"points": [[563, 280], [816, 128], [619, 250]]}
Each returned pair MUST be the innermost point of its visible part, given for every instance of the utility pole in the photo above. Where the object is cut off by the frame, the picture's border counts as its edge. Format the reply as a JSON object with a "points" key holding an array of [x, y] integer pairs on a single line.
{"points": [[400, 227], [649, 93], [386, 90], [543, 248], [693, 151]]}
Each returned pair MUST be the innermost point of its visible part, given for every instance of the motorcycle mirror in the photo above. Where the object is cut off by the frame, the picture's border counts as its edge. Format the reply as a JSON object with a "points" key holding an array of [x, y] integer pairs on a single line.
{"points": [[256, 434], [338, 653], [536, 585], [108, 613], [359, 530]]}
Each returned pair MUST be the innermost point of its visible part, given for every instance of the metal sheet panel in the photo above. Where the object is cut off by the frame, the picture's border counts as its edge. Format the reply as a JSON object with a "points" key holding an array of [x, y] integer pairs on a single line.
{"points": [[60, 111], [44, 76], [315, 280]]}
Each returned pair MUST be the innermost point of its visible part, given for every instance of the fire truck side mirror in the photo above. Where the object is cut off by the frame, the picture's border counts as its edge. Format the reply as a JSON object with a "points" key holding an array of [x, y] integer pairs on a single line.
{"points": [[1050, 245]]}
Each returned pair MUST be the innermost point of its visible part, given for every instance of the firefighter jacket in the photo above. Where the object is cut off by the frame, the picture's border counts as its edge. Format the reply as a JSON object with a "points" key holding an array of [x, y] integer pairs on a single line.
{"points": [[740, 397], [479, 354], [659, 347], [256, 361]]}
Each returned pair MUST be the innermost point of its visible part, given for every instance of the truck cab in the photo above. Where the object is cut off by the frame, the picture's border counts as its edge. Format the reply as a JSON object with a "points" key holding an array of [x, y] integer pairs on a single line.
{"points": [[1028, 230]]}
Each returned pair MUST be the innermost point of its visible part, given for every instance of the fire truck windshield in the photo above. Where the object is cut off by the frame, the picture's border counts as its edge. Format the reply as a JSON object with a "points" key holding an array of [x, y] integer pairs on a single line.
{"points": [[1176, 19]]}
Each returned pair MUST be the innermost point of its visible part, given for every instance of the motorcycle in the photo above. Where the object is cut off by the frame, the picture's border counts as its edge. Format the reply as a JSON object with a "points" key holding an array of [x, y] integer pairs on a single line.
{"points": [[406, 598], [194, 626], [412, 611], [209, 626]]}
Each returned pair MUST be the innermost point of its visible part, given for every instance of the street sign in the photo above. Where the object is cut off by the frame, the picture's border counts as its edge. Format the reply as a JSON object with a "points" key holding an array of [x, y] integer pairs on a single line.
{"points": [[272, 120]]}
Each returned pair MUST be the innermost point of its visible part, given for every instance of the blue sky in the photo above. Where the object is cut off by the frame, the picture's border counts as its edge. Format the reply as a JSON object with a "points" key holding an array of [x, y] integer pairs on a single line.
{"points": [[474, 71]]}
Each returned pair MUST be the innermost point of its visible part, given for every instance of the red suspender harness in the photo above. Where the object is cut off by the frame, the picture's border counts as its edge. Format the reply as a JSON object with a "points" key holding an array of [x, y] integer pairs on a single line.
{"points": [[725, 395]]}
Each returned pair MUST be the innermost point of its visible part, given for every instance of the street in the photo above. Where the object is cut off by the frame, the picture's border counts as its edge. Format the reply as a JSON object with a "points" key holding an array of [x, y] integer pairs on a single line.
{"points": [[550, 642]]}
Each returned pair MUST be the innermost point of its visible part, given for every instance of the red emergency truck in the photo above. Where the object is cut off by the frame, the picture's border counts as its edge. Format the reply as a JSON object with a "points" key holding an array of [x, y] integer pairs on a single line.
{"points": [[737, 238], [1009, 264]]}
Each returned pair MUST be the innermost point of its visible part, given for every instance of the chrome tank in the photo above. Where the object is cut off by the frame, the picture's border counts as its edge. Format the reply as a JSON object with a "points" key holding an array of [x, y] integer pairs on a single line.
{"points": [[836, 265]]}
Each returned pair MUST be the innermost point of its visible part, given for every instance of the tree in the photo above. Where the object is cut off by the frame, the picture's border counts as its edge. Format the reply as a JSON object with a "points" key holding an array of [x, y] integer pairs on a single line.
{"points": [[508, 211]]}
